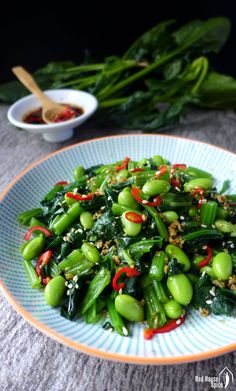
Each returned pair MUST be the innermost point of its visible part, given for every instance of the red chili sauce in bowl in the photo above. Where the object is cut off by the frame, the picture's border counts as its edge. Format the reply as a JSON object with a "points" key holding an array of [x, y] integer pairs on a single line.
{"points": [[34, 117]]}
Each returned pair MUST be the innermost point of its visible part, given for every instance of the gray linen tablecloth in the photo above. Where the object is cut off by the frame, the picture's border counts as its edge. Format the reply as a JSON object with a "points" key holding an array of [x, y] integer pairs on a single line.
{"points": [[31, 361]]}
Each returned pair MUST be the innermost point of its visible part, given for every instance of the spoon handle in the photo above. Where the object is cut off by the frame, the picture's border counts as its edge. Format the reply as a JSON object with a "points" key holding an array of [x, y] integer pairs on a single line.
{"points": [[29, 82]]}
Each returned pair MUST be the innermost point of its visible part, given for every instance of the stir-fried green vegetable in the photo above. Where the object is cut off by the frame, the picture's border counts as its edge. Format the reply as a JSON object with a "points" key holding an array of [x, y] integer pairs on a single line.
{"points": [[165, 65], [137, 250]]}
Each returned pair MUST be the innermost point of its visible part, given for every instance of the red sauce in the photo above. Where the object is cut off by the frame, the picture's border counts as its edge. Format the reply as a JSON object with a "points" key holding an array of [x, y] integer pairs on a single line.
{"points": [[34, 117]]}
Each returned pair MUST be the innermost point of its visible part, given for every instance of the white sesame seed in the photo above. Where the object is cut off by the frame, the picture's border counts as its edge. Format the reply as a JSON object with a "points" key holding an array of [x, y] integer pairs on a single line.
{"points": [[203, 226], [66, 283], [70, 286], [152, 225], [125, 331], [209, 301], [144, 202], [212, 291], [181, 217], [68, 292], [75, 278], [103, 207], [203, 274], [178, 321], [76, 286], [120, 291], [109, 198], [177, 188]]}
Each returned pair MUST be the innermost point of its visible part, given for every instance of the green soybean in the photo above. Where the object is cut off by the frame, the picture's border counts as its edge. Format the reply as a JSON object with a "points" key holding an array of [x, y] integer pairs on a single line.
{"points": [[203, 183], [157, 160], [79, 172], [90, 252], [125, 198], [193, 211], [123, 174], [33, 248], [222, 266], [130, 228], [208, 270], [170, 216], [156, 186], [180, 288], [129, 307], [86, 220], [54, 291], [175, 252], [226, 227], [173, 309]]}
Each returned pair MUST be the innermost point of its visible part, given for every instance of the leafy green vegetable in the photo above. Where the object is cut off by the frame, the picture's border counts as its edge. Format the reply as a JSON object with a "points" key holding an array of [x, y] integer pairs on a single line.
{"points": [[221, 303], [144, 246]]}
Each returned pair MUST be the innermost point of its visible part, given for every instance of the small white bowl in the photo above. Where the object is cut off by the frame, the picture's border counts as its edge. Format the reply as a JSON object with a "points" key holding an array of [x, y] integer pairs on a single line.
{"points": [[59, 131]]}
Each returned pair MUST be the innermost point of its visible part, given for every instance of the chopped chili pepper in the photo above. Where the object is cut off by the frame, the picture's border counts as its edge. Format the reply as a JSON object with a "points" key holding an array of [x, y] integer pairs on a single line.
{"points": [[129, 271], [199, 191], [175, 182], [123, 165], [136, 194], [138, 169], [80, 197], [135, 217], [232, 204], [42, 261], [67, 114], [37, 228], [181, 166], [63, 183], [173, 324], [206, 260], [161, 170]]}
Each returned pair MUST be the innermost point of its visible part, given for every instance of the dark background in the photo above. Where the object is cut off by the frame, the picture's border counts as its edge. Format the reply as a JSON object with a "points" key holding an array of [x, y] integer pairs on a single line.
{"points": [[39, 33]]}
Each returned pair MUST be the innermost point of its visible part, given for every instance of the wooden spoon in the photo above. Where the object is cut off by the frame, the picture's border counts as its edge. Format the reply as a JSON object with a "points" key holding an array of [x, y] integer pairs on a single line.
{"points": [[50, 109]]}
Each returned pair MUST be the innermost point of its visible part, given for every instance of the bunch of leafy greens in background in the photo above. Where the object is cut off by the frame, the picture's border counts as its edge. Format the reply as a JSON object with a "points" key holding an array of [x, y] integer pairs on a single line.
{"points": [[163, 66]]}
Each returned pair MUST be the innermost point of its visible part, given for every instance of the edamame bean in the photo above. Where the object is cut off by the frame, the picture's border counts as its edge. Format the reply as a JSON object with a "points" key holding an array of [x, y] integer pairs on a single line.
{"points": [[222, 266], [175, 252], [130, 228], [170, 216], [125, 198], [90, 252], [202, 183], [156, 186], [86, 220], [225, 226], [173, 309], [193, 211], [33, 248], [208, 270], [54, 291], [79, 171], [129, 308], [123, 174], [180, 287], [158, 160]]}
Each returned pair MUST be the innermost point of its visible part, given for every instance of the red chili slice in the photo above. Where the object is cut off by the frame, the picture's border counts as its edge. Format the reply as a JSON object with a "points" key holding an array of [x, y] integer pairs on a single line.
{"points": [[199, 191], [206, 260], [173, 324], [43, 260], [161, 170], [136, 194], [175, 182], [181, 166], [80, 197], [129, 271], [135, 217], [123, 165], [63, 183], [37, 228], [138, 169]]}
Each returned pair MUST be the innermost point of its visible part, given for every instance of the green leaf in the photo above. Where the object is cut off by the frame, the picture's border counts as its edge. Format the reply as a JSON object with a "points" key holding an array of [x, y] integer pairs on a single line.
{"points": [[206, 36], [156, 39], [174, 267], [138, 249], [218, 91]]}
